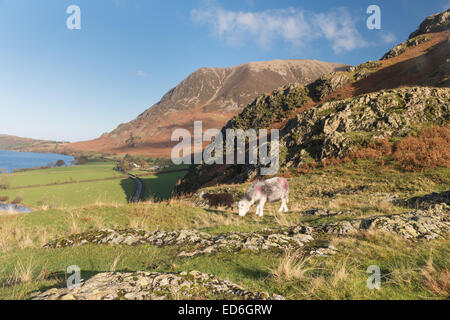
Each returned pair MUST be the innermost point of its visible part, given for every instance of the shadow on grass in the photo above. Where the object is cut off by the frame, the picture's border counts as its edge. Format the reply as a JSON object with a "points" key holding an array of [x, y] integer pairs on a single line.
{"points": [[255, 274], [61, 277], [219, 212], [160, 187], [129, 187]]}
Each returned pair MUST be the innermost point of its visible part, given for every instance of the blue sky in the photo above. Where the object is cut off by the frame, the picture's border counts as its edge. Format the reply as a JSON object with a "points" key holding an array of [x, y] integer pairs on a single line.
{"points": [[73, 85]]}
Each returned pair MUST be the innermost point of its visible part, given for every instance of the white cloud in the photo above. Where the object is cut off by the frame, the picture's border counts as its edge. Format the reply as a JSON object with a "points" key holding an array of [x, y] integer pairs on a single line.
{"points": [[388, 37], [142, 74], [339, 28], [294, 26]]}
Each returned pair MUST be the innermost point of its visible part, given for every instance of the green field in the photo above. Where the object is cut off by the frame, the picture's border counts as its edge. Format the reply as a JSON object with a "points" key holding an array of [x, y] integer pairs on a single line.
{"points": [[75, 194], [160, 187], [89, 171], [83, 185]]}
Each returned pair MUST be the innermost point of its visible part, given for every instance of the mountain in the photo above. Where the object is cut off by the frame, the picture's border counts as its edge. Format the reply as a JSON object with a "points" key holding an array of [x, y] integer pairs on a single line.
{"points": [[213, 95], [361, 112]]}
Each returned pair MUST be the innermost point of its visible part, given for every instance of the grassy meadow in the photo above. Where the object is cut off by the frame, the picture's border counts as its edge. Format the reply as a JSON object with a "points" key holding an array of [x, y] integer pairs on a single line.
{"points": [[93, 182], [410, 270], [160, 187], [89, 171]]}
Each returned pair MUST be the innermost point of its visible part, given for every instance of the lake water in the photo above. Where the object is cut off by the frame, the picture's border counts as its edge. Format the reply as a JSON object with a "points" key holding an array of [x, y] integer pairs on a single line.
{"points": [[14, 208], [11, 160]]}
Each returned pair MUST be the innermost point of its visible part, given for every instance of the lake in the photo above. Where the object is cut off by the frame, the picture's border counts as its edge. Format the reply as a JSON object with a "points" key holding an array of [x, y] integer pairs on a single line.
{"points": [[11, 160]]}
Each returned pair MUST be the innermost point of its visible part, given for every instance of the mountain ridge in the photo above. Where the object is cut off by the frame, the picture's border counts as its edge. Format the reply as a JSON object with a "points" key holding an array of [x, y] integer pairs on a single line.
{"points": [[212, 95]]}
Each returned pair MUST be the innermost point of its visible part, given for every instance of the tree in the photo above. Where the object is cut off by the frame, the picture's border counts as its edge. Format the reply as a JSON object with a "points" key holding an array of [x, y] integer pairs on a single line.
{"points": [[60, 163], [81, 159]]}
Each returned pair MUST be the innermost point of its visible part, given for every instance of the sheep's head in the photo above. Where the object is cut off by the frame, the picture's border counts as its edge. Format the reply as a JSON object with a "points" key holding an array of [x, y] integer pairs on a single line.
{"points": [[243, 207]]}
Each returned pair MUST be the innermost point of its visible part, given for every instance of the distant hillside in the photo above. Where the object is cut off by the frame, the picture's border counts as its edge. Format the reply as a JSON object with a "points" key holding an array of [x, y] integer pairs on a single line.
{"points": [[213, 95], [345, 111], [8, 142]]}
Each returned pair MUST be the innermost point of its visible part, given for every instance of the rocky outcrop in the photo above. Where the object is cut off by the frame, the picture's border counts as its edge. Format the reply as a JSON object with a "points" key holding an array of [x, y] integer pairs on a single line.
{"points": [[419, 224], [191, 242], [266, 109], [434, 23], [328, 84], [402, 47], [154, 286], [333, 129]]}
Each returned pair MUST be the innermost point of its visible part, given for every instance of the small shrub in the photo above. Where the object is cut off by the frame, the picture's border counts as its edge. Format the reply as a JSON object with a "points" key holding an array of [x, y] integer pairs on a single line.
{"points": [[430, 149], [4, 199], [376, 149], [60, 163]]}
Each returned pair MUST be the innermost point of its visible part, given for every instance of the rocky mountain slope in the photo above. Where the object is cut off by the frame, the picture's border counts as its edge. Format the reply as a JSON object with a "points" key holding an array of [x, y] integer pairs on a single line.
{"points": [[384, 99], [213, 95]]}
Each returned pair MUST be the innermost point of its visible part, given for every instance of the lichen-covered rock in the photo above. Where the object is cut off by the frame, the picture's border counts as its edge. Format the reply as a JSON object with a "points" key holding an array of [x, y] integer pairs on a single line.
{"points": [[326, 251], [420, 224], [154, 286], [131, 237], [237, 241], [191, 242]]}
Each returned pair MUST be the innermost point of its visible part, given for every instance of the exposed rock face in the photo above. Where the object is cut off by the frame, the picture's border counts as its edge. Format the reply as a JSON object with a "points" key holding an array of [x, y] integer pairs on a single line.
{"points": [[328, 84], [420, 224], [332, 129], [434, 23], [154, 286], [399, 49], [191, 242], [212, 95]]}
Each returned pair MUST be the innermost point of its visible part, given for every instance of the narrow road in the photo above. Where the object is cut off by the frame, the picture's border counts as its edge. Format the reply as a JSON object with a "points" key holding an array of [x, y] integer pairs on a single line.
{"points": [[139, 188]]}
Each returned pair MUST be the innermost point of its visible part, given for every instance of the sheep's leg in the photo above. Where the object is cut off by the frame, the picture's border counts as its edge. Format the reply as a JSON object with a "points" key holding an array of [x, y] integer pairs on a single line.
{"points": [[282, 205], [261, 207], [285, 205], [257, 210]]}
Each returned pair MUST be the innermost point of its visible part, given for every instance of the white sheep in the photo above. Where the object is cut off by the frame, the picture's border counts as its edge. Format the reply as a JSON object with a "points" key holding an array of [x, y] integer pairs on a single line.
{"points": [[274, 189]]}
